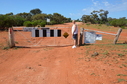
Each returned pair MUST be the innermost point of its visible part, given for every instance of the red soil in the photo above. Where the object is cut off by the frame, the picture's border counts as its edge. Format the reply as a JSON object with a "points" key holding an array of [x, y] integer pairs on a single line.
{"points": [[61, 65]]}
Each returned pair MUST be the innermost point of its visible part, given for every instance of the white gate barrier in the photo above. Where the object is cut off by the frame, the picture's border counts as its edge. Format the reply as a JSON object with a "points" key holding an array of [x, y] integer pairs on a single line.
{"points": [[42, 36], [90, 36], [53, 36]]}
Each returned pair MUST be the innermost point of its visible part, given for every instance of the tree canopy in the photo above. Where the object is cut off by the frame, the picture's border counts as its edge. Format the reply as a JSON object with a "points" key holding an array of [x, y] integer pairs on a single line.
{"points": [[101, 17], [35, 11], [36, 17], [33, 18], [96, 17]]}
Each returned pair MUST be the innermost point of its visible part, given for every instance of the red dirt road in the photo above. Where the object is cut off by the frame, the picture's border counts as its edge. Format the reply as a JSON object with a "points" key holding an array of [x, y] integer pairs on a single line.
{"points": [[62, 65]]}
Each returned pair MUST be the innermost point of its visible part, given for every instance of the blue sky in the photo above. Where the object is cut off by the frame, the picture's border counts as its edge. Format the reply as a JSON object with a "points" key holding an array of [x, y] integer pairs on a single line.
{"points": [[69, 8]]}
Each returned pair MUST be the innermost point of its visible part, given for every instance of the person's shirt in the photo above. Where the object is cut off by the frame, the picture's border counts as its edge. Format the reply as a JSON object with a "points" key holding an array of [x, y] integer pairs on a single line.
{"points": [[74, 30]]}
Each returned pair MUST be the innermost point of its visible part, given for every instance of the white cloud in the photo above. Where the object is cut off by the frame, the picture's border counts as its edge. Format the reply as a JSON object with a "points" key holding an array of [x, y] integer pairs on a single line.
{"points": [[111, 7], [95, 3], [118, 7], [75, 14], [71, 14], [84, 9], [106, 3], [88, 10]]}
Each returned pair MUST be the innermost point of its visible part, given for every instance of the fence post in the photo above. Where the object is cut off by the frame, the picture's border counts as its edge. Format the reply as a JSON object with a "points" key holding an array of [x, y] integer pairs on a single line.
{"points": [[117, 36], [11, 38], [81, 36]]}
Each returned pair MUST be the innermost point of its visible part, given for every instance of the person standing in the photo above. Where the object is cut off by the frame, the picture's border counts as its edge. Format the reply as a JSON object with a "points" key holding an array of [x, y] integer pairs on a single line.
{"points": [[74, 33]]}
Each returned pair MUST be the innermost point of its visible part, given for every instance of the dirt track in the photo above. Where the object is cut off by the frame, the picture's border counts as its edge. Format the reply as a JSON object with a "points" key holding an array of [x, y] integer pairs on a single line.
{"points": [[61, 65]]}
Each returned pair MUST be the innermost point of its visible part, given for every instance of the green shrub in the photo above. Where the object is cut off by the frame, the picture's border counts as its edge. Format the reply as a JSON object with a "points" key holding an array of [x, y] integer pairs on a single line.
{"points": [[118, 22], [35, 23], [114, 23], [7, 21], [100, 24], [123, 27], [121, 80], [43, 23], [6, 48], [28, 24], [121, 22], [88, 24], [52, 22]]}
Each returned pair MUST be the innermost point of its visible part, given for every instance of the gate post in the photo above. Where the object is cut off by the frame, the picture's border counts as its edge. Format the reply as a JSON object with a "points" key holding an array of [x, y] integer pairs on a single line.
{"points": [[117, 36], [11, 38], [81, 36]]}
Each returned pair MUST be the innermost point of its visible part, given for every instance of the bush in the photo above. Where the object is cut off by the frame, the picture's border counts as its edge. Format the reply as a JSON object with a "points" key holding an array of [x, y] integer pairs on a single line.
{"points": [[118, 22], [34, 23], [52, 22], [6, 48], [87, 24], [122, 22], [114, 23], [43, 23], [123, 27], [18, 21], [28, 24], [6, 21]]}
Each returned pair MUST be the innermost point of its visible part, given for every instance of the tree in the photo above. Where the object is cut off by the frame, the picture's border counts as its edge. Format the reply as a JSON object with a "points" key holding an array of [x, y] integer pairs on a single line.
{"points": [[28, 23], [86, 18], [6, 21], [113, 22], [43, 23], [10, 14], [58, 18], [96, 17], [121, 22], [24, 15], [50, 16], [103, 16], [18, 21], [109, 19], [35, 23], [35, 11], [78, 20], [34, 18], [39, 17], [68, 20]]}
